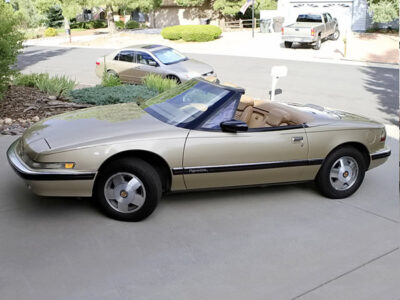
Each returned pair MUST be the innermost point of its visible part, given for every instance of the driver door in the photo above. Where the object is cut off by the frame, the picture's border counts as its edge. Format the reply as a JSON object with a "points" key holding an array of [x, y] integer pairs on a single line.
{"points": [[222, 159], [145, 64]]}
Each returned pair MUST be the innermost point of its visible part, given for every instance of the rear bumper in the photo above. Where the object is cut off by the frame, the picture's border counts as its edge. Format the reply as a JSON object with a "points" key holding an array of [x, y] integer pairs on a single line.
{"points": [[379, 157], [63, 183], [298, 39]]}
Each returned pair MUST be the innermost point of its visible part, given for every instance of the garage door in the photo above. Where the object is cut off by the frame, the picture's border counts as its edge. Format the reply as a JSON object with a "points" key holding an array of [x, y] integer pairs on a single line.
{"points": [[341, 10]]}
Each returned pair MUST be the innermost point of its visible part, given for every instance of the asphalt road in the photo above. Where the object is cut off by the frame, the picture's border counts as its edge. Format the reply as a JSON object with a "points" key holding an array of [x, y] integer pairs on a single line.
{"points": [[282, 242], [370, 91]]}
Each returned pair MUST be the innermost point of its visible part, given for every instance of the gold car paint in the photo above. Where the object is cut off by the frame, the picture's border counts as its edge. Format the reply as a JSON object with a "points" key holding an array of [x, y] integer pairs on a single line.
{"points": [[207, 148]]}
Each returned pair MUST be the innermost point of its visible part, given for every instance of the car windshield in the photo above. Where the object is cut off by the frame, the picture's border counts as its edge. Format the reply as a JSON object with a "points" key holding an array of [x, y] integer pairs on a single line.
{"points": [[187, 104], [169, 56], [309, 19]]}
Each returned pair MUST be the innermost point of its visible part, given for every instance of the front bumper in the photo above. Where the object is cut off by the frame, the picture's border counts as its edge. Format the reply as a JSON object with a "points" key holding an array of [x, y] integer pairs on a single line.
{"points": [[63, 183]]}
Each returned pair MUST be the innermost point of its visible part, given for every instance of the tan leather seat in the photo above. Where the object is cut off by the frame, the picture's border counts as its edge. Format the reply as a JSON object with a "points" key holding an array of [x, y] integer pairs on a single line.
{"points": [[277, 117], [245, 109]]}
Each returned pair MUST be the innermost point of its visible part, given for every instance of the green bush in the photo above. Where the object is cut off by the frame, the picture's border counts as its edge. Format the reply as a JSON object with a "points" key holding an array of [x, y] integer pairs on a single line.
{"points": [[28, 79], [172, 32], [50, 32], [192, 33], [98, 24], [110, 80], [120, 24], [132, 24], [158, 83], [10, 43], [100, 95]]}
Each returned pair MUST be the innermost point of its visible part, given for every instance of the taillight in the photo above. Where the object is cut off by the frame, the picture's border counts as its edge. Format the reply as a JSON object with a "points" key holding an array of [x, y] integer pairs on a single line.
{"points": [[283, 30], [312, 32], [383, 135], [97, 63]]}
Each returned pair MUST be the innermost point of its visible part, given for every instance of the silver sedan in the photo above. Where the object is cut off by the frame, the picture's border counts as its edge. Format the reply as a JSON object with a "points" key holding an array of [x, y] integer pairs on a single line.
{"points": [[132, 64]]}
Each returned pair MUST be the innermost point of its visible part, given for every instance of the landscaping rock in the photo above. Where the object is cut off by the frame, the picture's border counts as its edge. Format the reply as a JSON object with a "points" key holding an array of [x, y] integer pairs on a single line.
{"points": [[52, 98], [7, 121], [35, 119]]}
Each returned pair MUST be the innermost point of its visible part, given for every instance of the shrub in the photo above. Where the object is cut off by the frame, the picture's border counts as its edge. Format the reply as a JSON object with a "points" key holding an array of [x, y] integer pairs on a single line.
{"points": [[158, 83], [94, 24], [98, 24], [132, 24], [192, 33], [28, 79], [50, 32], [120, 24], [57, 85], [10, 43], [100, 95], [110, 80]]}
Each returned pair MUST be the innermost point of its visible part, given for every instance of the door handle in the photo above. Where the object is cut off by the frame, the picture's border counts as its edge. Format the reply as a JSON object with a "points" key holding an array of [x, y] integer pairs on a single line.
{"points": [[297, 139]]}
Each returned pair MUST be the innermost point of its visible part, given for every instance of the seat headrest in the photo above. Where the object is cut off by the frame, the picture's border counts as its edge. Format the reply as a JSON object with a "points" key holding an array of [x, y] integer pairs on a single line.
{"points": [[277, 116], [245, 101]]}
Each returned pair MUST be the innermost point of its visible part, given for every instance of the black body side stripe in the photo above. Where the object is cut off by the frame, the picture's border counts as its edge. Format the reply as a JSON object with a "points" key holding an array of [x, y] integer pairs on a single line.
{"points": [[246, 167]]}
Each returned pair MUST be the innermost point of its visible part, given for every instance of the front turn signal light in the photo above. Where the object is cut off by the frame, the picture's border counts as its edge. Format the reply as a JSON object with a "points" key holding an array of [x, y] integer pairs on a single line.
{"points": [[69, 165]]}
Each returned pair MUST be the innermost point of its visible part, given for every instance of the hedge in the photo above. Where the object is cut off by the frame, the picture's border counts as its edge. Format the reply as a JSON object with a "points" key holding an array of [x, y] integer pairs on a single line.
{"points": [[94, 24], [192, 33]]}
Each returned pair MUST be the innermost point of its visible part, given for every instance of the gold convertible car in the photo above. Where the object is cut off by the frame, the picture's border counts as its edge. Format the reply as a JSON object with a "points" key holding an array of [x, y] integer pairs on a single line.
{"points": [[200, 135]]}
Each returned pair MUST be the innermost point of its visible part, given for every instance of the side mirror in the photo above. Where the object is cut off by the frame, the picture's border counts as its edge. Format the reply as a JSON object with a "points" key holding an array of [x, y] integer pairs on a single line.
{"points": [[153, 63], [234, 126]]}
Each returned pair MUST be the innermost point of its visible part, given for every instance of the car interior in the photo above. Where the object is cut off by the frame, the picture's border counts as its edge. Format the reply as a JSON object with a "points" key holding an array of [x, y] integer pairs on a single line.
{"points": [[264, 113]]}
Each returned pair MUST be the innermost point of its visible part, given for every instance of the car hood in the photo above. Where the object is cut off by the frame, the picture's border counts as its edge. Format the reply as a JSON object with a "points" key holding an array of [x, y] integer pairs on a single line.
{"points": [[192, 65], [101, 124]]}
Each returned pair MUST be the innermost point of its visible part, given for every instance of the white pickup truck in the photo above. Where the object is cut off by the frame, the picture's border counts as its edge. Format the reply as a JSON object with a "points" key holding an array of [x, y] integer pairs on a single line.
{"points": [[311, 29]]}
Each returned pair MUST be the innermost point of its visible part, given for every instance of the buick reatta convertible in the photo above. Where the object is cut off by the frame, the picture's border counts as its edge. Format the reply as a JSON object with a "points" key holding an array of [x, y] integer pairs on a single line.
{"points": [[200, 135]]}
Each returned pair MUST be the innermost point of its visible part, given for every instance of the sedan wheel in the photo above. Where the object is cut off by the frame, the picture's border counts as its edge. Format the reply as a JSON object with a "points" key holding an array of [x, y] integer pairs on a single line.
{"points": [[128, 189], [341, 173]]}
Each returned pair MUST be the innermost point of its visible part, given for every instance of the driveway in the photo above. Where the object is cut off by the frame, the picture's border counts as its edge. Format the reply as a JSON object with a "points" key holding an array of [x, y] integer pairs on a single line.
{"points": [[282, 242]]}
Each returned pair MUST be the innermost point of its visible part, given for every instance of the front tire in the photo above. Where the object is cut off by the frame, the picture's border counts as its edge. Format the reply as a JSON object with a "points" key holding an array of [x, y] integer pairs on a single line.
{"points": [[335, 36], [173, 77], [342, 173], [128, 189]]}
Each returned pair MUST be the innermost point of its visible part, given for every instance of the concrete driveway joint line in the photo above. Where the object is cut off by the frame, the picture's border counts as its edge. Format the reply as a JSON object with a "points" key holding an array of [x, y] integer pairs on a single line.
{"points": [[347, 273]]}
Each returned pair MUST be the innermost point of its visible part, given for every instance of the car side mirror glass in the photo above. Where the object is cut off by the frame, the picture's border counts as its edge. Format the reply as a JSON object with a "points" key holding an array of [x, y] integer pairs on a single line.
{"points": [[234, 126]]}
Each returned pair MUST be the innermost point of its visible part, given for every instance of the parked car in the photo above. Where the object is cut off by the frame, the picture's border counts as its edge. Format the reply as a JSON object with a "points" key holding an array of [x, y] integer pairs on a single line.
{"points": [[311, 29], [132, 64], [199, 135]]}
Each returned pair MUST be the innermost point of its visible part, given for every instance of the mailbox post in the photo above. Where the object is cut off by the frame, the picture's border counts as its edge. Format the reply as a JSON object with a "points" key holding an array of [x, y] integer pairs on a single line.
{"points": [[276, 73]]}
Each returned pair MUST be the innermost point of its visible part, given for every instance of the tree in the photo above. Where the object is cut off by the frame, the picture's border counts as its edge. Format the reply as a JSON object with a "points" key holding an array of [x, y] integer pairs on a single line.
{"points": [[126, 5], [384, 11], [70, 8], [10, 43], [30, 16], [54, 17], [232, 7]]}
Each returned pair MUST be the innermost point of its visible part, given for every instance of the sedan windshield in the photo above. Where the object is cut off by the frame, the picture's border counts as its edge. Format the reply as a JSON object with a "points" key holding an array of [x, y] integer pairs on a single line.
{"points": [[309, 19], [169, 56], [188, 104]]}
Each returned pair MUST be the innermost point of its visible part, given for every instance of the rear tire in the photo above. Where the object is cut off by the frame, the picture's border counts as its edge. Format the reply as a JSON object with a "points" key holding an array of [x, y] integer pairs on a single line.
{"points": [[317, 44], [128, 189], [112, 72], [288, 44], [342, 173]]}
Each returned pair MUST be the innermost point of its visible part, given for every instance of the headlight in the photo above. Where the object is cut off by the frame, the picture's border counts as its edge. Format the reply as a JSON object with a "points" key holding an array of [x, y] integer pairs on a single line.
{"points": [[190, 75], [47, 165]]}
